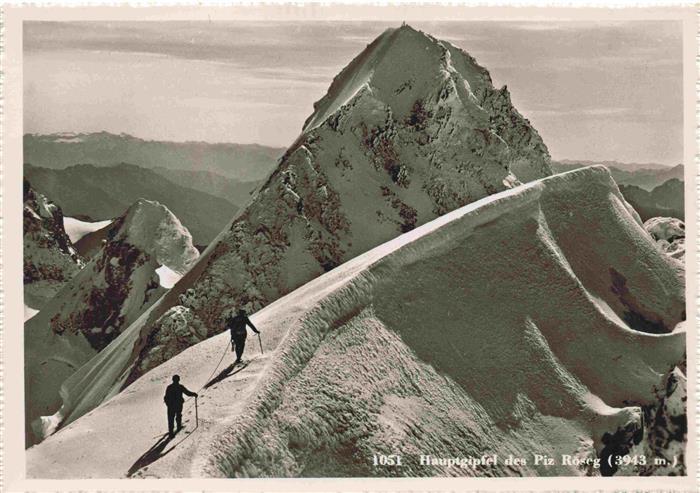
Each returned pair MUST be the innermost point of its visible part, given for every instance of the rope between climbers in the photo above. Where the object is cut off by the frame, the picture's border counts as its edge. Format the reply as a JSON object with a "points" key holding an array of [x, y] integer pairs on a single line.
{"points": [[208, 379]]}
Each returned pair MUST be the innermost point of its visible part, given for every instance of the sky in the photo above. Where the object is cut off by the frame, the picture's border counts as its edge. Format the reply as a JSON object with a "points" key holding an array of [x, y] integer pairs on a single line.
{"points": [[593, 90]]}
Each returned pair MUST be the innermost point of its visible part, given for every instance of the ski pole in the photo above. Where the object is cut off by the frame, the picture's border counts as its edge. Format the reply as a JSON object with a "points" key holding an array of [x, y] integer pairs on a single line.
{"points": [[196, 412], [260, 341]]}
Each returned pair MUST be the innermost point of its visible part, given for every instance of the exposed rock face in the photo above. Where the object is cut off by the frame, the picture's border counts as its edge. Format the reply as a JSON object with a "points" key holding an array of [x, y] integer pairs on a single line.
{"points": [[50, 259], [121, 280], [669, 234], [668, 427], [174, 332], [665, 432], [110, 293], [411, 129]]}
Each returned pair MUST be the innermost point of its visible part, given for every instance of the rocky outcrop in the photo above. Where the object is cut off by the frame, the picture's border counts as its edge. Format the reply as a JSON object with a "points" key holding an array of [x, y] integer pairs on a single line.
{"points": [[50, 259], [669, 234], [667, 424], [121, 281], [176, 330], [661, 451]]}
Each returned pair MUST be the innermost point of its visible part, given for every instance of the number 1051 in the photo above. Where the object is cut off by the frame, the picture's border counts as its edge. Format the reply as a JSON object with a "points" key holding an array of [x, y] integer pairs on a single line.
{"points": [[386, 460]]}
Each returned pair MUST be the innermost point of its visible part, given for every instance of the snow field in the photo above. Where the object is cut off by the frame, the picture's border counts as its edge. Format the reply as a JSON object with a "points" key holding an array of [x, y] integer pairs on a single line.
{"points": [[520, 322], [76, 229]]}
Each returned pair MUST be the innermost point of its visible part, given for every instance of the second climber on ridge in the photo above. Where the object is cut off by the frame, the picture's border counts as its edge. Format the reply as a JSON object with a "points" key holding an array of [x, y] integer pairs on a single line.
{"points": [[173, 400], [237, 326]]}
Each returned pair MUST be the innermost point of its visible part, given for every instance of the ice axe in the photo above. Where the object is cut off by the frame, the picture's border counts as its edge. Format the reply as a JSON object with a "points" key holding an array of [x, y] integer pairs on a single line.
{"points": [[260, 341]]}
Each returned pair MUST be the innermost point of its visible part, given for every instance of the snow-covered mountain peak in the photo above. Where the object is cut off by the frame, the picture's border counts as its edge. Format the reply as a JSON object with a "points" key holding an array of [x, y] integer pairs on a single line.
{"points": [[150, 226], [410, 130], [403, 67]]}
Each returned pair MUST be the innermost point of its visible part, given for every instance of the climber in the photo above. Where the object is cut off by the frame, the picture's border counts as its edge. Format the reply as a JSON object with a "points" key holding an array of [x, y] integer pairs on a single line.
{"points": [[174, 400], [237, 326]]}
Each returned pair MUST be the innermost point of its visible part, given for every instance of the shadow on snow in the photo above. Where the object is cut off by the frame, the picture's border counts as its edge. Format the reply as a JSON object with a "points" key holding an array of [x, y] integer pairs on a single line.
{"points": [[224, 374]]}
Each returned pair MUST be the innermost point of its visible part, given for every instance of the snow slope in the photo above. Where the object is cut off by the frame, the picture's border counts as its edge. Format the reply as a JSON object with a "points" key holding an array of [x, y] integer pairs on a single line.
{"points": [[115, 287], [29, 312], [91, 244], [167, 277], [50, 258], [535, 319], [410, 130], [76, 229]]}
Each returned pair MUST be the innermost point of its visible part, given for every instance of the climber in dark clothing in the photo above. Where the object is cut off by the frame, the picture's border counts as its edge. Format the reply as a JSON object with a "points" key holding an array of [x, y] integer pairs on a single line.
{"points": [[174, 400], [237, 326]]}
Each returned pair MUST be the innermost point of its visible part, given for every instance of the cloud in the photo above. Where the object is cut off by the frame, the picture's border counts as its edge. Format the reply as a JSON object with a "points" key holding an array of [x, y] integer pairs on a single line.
{"points": [[601, 113], [561, 74], [579, 112], [312, 75], [536, 26]]}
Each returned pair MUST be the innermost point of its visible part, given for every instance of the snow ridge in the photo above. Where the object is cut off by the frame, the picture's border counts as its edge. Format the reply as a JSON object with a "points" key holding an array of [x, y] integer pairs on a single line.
{"points": [[420, 343]]}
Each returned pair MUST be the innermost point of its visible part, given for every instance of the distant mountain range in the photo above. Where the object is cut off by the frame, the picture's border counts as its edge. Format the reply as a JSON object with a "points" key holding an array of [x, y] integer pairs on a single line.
{"points": [[652, 189], [99, 193], [615, 164], [666, 200], [235, 191], [646, 176], [245, 162]]}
